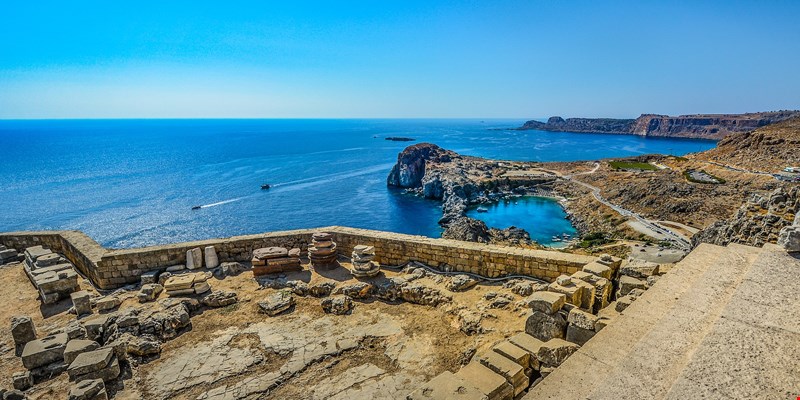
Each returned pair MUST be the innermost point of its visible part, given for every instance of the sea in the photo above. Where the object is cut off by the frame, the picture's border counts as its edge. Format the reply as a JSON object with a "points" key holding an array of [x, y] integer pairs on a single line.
{"points": [[133, 183]]}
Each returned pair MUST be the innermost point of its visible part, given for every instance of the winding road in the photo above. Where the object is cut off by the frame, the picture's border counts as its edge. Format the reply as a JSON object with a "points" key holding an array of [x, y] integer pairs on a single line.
{"points": [[643, 225]]}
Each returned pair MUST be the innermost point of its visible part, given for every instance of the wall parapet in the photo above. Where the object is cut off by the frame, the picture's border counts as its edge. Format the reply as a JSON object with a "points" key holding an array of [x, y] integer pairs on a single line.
{"points": [[111, 268]]}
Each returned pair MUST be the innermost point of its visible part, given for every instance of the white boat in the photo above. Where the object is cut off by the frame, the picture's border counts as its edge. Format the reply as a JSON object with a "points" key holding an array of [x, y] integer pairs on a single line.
{"points": [[482, 209]]}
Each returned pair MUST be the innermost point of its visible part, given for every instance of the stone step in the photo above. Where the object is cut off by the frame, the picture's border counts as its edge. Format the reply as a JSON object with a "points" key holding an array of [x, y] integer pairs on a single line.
{"points": [[589, 368], [753, 350], [658, 357]]}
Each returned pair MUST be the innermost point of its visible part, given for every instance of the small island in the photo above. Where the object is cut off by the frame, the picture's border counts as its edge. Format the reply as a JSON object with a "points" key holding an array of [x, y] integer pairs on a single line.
{"points": [[400, 139]]}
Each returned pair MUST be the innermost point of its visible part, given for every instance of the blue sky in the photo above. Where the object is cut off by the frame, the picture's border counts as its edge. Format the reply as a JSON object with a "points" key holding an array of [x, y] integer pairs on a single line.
{"points": [[374, 59]]}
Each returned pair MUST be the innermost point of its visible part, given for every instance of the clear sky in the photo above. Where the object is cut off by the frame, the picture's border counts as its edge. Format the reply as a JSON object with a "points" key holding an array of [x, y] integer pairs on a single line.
{"points": [[481, 59]]}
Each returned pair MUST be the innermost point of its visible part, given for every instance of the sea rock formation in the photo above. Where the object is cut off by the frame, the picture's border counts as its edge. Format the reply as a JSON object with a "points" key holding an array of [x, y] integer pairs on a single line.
{"points": [[411, 162], [700, 126]]}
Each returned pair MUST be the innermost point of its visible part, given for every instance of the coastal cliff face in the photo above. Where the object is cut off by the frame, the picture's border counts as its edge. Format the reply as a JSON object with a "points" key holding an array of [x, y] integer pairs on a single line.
{"points": [[770, 149], [698, 126], [411, 162]]}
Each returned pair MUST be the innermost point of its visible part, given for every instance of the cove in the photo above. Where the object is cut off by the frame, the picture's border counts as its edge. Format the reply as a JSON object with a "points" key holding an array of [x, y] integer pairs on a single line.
{"points": [[542, 217]]}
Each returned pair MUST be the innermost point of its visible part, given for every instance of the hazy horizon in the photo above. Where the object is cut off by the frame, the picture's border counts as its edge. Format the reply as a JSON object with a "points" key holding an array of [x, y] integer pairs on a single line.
{"points": [[415, 59]]}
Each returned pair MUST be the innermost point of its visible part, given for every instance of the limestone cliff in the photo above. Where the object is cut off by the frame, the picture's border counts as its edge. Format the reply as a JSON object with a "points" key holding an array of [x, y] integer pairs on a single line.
{"points": [[771, 148], [697, 126]]}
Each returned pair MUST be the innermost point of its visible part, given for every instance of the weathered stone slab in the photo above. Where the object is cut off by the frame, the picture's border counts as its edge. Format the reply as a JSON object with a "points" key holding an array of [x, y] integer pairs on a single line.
{"points": [[491, 384], [108, 303], [175, 268], [267, 253], [364, 250], [447, 386], [49, 260], [38, 353], [530, 344], [601, 270], [513, 372], [639, 269], [149, 292], [194, 258], [277, 303], [579, 335], [90, 361], [513, 353], [546, 302], [53, 268], [34, 252], [95, 326], [78, 346], [545, 326], [150, 277], [179, 282], [90, 389]]}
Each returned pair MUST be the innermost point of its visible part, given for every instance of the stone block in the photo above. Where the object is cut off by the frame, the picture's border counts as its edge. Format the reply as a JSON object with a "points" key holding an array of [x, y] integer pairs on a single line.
{"points": [[513, 353], [572, 292], [789, 238], [90, 361], [109, 373], [582, 319], [81, 302], [270, 252], [628, 283], [530, 344], [546, 302], [22, 330], [579, 335], [211, 259], [22, 380], [78, 346], [623, 303], [108, 303], [179, 282], [545, 326], [74, 330], [447, 386], [149, 292], [38, 353], [150, 277], [277, 303], [513, 372], [639, 269], [95, 326], [601, 270], [194, 258], [554, 352], [201, 287], [491, 384], [175, 268], [587, 294], [90, 389], [34, 252], [48, 260]]}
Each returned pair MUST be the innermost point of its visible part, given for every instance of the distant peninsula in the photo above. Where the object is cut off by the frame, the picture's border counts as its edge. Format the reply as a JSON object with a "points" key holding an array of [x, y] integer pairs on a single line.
{"points": [[697, 126]]}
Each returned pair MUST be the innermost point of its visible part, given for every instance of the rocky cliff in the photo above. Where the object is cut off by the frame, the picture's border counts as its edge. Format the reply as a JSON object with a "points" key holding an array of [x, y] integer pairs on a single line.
{"points": [[770, 148], [698, 126]]}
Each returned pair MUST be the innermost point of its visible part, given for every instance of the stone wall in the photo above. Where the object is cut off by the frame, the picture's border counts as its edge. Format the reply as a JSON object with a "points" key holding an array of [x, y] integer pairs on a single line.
{"points": [[109, 268]]}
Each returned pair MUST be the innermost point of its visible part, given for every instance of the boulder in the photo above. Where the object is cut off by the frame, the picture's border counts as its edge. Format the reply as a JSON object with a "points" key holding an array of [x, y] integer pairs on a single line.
{"points": [[789, 238], [194, 258], [546, 302], [321, 289], [38, 353], [22, 330], [338, 305], [211, 259], [359, 290], [545, 326]]}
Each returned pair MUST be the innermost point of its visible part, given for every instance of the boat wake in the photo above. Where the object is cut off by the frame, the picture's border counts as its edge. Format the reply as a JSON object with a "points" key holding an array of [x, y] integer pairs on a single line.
{"points": [[219, 203], [321, 179]]}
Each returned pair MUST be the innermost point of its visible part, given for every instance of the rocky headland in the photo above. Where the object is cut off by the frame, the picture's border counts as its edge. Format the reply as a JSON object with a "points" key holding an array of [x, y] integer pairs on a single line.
{"points": [[697, 126], [459, 181]]}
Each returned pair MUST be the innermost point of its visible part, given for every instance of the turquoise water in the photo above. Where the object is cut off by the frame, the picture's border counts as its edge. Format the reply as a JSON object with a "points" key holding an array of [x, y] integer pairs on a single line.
{"points": [[130, 183], [542, 217]]}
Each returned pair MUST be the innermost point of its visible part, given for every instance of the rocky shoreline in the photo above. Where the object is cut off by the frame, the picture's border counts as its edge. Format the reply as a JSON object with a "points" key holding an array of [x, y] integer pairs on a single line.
{"points": [[459, 182]]}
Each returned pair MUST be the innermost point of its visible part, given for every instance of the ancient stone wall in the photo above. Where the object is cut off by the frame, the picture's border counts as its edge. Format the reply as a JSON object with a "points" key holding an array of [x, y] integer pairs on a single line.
{"points": [[109, 268]]}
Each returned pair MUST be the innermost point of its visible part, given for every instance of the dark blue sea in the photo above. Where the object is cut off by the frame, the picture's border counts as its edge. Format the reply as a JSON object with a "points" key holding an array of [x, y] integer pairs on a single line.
{"points": [[130, 183]]}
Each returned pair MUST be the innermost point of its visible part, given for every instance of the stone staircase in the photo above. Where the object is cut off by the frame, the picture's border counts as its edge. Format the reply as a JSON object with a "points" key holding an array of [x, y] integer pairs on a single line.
{"points": [[723, 324]]}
